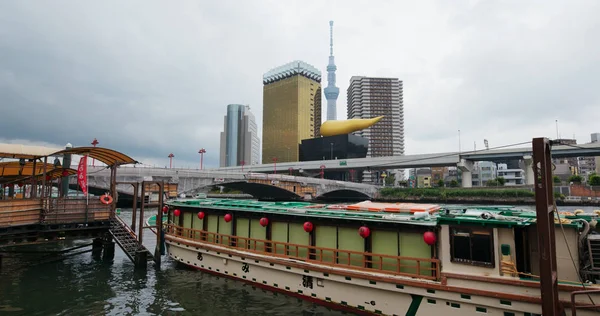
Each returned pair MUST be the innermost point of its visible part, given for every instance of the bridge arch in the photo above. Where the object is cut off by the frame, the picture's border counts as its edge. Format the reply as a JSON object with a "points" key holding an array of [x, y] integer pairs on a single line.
{"points": [[262, 191], [344, 195]]}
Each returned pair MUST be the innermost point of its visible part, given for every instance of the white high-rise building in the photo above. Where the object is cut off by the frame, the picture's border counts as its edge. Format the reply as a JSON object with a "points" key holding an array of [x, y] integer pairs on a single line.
{"points": [[370, 97], [239, 139]]}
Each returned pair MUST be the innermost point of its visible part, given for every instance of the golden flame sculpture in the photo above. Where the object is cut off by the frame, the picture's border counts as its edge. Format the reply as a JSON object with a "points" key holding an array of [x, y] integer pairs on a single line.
{"points": [[332, 128]]}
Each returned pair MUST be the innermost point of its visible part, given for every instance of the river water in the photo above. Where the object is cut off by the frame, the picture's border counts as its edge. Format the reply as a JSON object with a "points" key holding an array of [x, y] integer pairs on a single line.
{"points": [[80, 285]]}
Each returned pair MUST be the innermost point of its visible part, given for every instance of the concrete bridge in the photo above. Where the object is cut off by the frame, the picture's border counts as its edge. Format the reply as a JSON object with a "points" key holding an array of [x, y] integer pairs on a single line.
{"points": [[463, 160], [259, 185]]}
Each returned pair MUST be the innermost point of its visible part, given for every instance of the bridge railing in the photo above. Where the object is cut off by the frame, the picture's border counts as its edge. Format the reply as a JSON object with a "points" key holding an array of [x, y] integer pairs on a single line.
{"points": [[225, 175]]}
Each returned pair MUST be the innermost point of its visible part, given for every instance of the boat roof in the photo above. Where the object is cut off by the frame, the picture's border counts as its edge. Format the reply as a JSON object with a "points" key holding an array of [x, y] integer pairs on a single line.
{"points": [[400, 213]]}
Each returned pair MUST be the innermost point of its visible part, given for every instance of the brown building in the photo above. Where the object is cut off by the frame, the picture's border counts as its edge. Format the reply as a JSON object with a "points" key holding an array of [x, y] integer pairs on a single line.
{"points": [[370, 97]]}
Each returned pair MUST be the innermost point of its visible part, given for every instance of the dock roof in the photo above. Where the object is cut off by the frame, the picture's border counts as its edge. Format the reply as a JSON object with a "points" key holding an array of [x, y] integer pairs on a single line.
{"points": [[105, 155]]}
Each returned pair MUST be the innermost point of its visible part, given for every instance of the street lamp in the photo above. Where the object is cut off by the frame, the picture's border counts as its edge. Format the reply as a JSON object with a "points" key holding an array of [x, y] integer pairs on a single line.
{"points": [[171, 160], [201, 152], [94, 143]]}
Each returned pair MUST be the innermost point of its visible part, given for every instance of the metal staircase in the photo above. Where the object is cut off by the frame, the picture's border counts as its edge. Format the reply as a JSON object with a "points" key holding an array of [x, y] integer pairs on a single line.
{"points": [[126, 238]]}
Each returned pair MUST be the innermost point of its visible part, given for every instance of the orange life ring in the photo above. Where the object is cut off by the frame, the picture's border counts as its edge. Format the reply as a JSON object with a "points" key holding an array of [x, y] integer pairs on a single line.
{"points": [[106, 199]]}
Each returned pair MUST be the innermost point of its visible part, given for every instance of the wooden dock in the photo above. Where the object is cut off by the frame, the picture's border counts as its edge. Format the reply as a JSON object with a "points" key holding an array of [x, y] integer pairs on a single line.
{"points": [[32, 212]]}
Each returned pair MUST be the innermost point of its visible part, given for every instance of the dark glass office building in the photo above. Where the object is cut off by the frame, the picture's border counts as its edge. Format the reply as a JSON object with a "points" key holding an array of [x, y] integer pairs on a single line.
{"points": [[334, 147]]}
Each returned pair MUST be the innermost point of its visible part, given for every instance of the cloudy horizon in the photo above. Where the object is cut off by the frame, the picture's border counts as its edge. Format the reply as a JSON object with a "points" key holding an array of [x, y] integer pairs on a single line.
{"points": [[149, 78]]}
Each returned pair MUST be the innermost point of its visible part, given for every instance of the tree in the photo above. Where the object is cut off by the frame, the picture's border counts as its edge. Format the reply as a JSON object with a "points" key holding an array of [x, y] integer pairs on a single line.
{"points": [[556, 180], [575, 179], [492, 183], [594, 179], [454, 183], [501, 181], [441, 183], [389, 180]]}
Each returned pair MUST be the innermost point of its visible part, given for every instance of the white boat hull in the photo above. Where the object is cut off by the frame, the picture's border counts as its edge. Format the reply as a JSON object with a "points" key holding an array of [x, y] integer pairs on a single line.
{"points": [[360, 295]]}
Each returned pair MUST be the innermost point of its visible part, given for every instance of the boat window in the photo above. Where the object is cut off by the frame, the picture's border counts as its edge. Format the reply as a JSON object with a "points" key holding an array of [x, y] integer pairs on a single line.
{"points": [[473, 246]]}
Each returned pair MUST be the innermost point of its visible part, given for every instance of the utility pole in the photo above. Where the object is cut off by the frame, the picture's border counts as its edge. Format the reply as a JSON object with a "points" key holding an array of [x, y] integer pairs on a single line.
{"points": [[544, 206], [459, 142]]}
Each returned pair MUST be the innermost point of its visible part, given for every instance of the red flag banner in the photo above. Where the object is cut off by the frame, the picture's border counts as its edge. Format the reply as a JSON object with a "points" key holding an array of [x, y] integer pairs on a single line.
{"points": [[82, 174]]}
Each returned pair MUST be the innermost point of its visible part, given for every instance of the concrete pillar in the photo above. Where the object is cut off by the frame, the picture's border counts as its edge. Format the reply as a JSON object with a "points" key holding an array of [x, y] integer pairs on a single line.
{"points": [[466, 167], [528, 167]]}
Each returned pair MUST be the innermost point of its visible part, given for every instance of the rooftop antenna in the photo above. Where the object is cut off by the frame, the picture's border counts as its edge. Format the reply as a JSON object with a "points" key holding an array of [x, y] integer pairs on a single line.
{"points": [[330, 38]]}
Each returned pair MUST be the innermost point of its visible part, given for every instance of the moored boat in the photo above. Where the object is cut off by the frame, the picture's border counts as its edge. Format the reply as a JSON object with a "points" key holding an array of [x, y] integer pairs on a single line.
{"points": [[386, 258]]}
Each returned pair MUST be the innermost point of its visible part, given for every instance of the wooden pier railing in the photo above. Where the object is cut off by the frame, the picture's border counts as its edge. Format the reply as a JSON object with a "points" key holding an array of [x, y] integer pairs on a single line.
{"points": [[425, 268], [21, 212], [78, 210]]}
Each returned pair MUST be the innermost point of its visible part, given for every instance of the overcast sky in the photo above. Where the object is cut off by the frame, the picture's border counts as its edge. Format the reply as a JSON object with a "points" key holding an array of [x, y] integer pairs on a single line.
{"points": [[153, 77]]}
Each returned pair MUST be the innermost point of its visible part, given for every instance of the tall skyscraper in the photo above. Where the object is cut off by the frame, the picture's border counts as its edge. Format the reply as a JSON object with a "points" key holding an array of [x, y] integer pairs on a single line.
{"points": [[291, 110], [331, 91], [239, 139], [371, 97]]}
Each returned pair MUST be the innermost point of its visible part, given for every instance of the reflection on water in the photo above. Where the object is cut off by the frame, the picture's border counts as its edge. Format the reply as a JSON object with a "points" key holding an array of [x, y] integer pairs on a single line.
{"points": [[80, 285]]}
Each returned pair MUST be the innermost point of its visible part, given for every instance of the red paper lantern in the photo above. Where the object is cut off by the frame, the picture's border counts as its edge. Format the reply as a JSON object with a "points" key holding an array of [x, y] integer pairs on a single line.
{"points": [[65, 173], [20, 184], [227, 218], [200, 215], [429, 238], [308, 227], [264, 221], [6, 185], [364, 231], [176, 212], [165, 209], [48, 178]]}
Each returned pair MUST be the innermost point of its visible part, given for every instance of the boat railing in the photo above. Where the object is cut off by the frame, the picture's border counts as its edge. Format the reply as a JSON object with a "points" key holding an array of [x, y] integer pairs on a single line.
{"points": [[425, 268], [574, 306]]}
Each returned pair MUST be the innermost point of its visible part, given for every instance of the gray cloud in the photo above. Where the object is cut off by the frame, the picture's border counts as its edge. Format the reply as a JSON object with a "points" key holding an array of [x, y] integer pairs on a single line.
{"points": [[150, 78]]}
